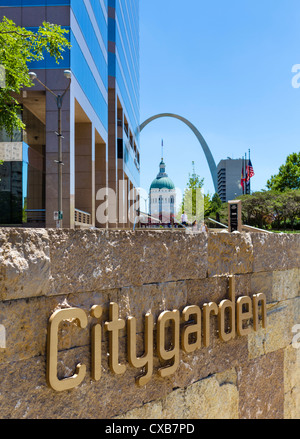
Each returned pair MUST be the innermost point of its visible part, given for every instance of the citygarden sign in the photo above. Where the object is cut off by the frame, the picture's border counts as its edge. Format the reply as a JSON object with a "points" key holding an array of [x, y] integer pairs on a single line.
{"points": [[189, 330]]}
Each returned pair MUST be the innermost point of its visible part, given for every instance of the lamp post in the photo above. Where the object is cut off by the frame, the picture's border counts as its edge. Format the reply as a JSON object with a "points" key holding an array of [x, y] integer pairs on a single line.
{"points": [[145, 199], [59, 101]]}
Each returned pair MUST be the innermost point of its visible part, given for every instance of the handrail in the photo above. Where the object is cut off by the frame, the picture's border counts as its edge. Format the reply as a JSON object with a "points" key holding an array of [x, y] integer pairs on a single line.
{"points": [[82, 211], [256, 229], [35, 215], [82, 218], [143, 213], [35, 210], [217, 222], [245, 226]]}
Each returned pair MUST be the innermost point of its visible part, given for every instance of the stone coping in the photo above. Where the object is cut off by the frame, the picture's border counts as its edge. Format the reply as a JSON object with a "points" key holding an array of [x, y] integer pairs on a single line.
{"points": [[42, 262]]}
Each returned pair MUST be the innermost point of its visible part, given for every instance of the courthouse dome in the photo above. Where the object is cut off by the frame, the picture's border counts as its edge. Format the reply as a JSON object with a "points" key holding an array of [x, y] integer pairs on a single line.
{"points": [[162, 183], [162, 180]]}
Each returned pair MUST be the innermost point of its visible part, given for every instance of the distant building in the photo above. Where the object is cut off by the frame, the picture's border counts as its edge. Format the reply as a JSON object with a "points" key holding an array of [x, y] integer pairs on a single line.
{"points": [[162, 197], [229, 179]]}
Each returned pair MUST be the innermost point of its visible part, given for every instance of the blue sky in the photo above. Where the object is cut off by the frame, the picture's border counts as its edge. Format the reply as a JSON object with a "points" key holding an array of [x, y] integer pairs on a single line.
{"points": [[227, 67]]}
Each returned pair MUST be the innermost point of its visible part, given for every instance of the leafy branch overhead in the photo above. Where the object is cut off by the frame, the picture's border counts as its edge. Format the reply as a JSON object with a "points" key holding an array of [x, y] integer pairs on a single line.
{"points": [[288, 176], [19, 47]]}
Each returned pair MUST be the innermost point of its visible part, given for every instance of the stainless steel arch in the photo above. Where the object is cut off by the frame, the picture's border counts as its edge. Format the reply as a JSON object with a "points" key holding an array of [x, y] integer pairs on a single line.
{"points": [[206, 150]]}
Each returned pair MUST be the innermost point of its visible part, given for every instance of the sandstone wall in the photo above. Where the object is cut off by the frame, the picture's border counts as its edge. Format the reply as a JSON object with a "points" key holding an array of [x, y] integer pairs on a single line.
{"points": [[254, 376]]}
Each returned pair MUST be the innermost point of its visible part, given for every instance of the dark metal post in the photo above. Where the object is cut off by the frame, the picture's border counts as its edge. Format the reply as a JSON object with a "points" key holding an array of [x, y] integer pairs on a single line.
{"points": [[58, 216], [59, 163], [249, 188]]}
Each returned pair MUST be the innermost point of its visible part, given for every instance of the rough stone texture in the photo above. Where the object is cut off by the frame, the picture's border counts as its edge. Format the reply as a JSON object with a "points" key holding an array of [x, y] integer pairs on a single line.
{"points": [[210, 398], [229, 253], [256, 376], [272, 251], [95, 260], [277, 285], [292, 383], [286, 284], [24, 263], [282, 316], [261, 387]]}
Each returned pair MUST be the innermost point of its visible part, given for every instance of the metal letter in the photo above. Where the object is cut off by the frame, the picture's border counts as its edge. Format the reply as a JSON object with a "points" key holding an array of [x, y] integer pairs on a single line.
{"points": [[163, 354], [241, 316], [147, 359], [191, 329], [208, 308], [227, 304], [52, 344], [96, 312], [256, 299], [114, 326]]}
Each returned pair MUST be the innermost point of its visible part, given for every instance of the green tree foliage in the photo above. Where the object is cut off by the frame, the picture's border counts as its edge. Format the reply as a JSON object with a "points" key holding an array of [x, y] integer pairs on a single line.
{"points": [[257, 209], [18, 47], [195, 203], [215, 206], [275, 210], [288, 176]]}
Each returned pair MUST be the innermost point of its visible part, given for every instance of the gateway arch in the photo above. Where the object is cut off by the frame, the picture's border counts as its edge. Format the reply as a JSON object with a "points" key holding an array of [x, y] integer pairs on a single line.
{"points": [[206, 150]]}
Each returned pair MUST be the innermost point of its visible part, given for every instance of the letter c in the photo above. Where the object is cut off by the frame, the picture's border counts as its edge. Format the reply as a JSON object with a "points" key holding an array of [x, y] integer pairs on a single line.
{"points": [[52, 343]]}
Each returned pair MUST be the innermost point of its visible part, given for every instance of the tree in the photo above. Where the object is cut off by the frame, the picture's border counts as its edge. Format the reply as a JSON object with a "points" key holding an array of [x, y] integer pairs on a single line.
{"points": [[195, 204], [216, 206], [277, 202], [288, 176], [19, 47], [257, 209], [269, 209], [291, 206]]}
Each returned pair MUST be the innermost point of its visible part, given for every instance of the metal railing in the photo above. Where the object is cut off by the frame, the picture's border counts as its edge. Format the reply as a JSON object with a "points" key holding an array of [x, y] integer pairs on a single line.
{"points": [[245, 227], [35, 215], [82, 219]]}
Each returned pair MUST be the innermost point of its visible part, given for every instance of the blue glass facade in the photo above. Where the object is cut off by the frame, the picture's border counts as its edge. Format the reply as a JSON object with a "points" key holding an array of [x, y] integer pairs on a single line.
{"points": [[96, 29], [123, 66], [88, 34], [104, 37], [14, 3], [89, 62]]}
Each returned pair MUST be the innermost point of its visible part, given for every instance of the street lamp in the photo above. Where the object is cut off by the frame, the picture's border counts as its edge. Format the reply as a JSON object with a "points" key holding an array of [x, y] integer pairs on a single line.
{"points": [[59, 101], [145, 199]]}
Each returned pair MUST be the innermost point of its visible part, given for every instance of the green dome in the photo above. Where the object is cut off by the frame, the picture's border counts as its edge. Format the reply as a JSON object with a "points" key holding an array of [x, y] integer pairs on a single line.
{"points": [[162, 183], [162, 180]]}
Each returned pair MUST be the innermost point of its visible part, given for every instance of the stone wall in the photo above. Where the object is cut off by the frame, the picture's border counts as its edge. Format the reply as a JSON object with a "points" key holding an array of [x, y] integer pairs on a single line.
{"points": [[41, 271]]}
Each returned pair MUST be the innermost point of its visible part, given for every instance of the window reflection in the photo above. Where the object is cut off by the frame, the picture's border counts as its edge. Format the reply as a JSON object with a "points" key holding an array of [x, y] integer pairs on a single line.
{"points": [[22, 175]]}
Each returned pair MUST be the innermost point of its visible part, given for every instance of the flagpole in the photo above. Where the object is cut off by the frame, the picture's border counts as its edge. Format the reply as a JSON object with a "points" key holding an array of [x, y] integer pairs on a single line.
{"points": [[249, 178], [242, 176], [244, 188], [245, 172]]}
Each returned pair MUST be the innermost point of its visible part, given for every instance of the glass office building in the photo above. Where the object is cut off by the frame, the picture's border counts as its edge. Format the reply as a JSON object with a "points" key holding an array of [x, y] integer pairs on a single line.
{"points": [[100, 113], [123, 95], [22, 174]]}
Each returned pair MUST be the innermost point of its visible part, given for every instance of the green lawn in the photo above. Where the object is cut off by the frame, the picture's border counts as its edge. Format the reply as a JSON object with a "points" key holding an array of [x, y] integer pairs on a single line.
{"points": [[285, 231]]}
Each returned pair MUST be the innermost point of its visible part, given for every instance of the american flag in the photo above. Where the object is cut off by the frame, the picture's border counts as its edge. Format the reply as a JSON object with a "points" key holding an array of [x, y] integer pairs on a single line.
{"points": [[249, 171], [243, 179]]}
